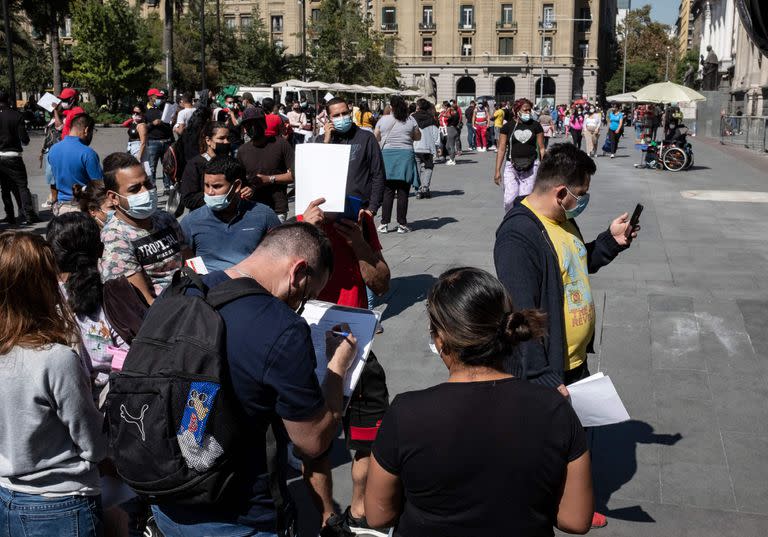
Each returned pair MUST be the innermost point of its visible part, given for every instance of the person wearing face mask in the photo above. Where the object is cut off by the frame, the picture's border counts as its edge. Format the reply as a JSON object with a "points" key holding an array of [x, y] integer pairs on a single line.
{"points": [[268, 162], [213, 141], [365, 177], [230, 116], [521, 146], [302, 129], [93, 201], [577, 126], [66, 110], [159, 133], [421, 479], [142, 243], [480, 124], [227, 228], [592, 125], [272, 363], [137, 136], [544, 263], [73, 162]]}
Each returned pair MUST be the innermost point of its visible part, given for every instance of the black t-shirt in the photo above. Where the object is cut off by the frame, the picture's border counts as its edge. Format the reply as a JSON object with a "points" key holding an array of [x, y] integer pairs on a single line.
{"points": [[521, 138], [272, 368], [274, 158], [163, 131], [479, 458]]}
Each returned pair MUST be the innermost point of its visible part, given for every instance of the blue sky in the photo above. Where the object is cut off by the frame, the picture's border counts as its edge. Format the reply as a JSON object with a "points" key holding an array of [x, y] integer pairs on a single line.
{"points": [[662, 10]]}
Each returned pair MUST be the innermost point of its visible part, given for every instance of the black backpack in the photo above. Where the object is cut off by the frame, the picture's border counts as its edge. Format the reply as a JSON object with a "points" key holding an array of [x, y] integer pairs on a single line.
{"points": [[172, 414]]}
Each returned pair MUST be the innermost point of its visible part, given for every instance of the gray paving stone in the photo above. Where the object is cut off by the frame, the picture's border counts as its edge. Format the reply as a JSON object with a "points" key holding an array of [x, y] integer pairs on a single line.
{"points": [[675, 341], [741, 402], [746, 460], [685, 384], [670, 303], [699, 485]]}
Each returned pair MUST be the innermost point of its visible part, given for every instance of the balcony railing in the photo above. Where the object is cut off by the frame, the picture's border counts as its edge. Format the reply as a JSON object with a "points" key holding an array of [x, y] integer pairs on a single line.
{"points": [[389, 27], [466, 26], [506, 25], [427, 26], [548, 26]]}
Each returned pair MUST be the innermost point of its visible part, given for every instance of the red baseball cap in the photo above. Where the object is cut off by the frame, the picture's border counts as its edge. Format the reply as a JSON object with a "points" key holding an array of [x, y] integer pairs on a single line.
{"points": [[67, 93], [155, 92]]}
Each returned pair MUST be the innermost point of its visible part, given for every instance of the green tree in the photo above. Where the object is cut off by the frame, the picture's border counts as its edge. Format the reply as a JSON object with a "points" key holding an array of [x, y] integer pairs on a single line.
{"points": [[639, 74], [252, 58], [30, 58], [108, 58], [648, 42], [47, 17], [345, 48]]}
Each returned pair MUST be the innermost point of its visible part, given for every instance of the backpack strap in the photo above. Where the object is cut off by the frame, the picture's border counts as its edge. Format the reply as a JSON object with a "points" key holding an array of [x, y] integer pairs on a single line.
{"points": [[233, 289]]}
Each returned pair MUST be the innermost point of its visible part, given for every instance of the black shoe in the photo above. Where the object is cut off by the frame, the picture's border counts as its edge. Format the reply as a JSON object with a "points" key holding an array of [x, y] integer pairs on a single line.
{"points": [[10, 220], [419, 194], [359, 526], [34, 219], [336, 526], [427, 194]]}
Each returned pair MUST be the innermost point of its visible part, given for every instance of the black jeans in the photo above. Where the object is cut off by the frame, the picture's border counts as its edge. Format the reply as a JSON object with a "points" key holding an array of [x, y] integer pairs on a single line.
{"points": [[576, 135], [390, 188], [13, 182]]}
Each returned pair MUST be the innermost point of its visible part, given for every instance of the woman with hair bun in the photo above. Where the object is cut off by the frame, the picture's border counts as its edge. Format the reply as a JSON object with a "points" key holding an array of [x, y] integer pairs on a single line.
{"points": [[484, 453]]}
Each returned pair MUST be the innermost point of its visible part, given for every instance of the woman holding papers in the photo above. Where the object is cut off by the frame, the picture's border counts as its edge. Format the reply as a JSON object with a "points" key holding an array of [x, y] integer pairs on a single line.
{"points": [[483, 453], [396, 133]]}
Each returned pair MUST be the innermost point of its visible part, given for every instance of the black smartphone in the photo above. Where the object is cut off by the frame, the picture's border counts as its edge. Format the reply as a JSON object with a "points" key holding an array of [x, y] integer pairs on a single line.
{"points": [[635, 219]]}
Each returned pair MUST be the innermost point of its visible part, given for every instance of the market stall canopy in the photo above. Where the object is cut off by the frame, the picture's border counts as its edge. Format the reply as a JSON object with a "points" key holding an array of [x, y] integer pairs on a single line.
{"points": [[293, 83], [411, 93], [389, 90], [336, 86], [667, 92], [357, 88], [374, 89], [622, 98], [316, 84]]}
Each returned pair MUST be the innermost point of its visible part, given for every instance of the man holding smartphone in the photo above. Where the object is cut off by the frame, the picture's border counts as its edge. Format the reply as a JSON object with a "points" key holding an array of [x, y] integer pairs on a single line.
{"points": [[544, 263]]}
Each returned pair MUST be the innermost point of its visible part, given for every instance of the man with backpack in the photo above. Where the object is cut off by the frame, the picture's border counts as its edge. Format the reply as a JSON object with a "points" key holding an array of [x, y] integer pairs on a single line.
{"points": [[223, 471]]}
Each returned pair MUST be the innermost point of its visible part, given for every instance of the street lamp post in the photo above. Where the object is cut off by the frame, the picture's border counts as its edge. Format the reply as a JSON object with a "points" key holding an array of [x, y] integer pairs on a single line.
{"points": [[626, 38], [202, 46], [9, 47], [666, 74], [303, 40]]}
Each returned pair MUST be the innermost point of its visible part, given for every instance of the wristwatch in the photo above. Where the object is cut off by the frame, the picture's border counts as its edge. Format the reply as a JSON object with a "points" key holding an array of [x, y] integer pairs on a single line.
{"points": [[271, 179]]}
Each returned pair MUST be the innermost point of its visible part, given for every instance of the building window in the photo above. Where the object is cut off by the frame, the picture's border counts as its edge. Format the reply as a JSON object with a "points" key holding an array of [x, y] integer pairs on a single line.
{"points": [[584, 25], [277, 24], [389, 15], [246, 21], [548, 14], [505, 46], [506, 13], [466, 46], [230, 23], [66, 28], [547, 50], [426, 47], [315, 15], [583, 49], [427, 16], [467, 16]]}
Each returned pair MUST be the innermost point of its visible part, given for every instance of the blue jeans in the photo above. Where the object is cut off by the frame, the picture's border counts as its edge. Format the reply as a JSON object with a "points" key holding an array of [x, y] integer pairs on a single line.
{"points": [[471, 137], [175, 528], [31, 515], [155, 151]]}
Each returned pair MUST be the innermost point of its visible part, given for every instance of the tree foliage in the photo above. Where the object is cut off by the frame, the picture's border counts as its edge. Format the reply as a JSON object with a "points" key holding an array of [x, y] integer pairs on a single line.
{"points": [[345, 48], [639, 74], [256, 60], [691, 58], [110, 58], [46, 17], [30, 58]]}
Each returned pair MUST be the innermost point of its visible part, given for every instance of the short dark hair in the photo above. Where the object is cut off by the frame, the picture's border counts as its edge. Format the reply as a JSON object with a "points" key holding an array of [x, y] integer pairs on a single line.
{"points": [[248, 96], [399, 108], [82, 122], [334, 102], [473, 314], [303, 240], [187, 97], [268, 104], [227, 166], [424, 105], [114, 162], [564, 164]]}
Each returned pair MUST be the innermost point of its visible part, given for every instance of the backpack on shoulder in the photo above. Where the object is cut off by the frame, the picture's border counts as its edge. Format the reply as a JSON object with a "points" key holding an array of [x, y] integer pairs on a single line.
{"points": [[172, 414]]}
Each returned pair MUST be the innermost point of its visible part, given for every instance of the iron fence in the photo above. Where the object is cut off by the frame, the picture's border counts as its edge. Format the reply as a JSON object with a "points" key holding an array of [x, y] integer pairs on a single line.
{"points": [[745, 131]]}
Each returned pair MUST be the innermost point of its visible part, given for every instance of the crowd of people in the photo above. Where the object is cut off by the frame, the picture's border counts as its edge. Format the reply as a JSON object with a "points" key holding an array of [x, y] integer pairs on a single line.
{"points": [[73, 306]]}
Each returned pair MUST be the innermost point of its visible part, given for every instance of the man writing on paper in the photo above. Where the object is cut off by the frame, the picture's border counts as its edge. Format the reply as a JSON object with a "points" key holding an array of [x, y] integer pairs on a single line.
{"points": [[272, 370], [366, 176], [268, 162], [358, 263], [543, 262]]}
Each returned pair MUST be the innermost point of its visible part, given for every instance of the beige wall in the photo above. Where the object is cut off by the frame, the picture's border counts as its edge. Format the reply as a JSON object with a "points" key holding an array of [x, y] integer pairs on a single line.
{"points": [[749, 86]]}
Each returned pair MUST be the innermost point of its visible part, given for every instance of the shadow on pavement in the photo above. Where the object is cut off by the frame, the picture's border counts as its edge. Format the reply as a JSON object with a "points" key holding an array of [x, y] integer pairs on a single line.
{"points": [[432, 223], [405, 291], [440, 193], [614, 463]]}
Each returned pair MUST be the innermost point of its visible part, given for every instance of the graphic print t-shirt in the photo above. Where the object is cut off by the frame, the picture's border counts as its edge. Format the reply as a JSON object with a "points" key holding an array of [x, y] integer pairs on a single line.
{"points": [[128, 250], [578, 305], [521, 138]]}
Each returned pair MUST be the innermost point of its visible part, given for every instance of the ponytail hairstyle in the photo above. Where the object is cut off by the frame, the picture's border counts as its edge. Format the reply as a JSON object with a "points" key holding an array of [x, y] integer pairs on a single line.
{"points": [[209, 131], [473, 315], [399, 107], [76, 243]]}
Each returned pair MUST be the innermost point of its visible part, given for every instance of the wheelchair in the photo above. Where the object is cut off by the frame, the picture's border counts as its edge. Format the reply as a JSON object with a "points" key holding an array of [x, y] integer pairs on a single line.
{"points": [[674, 154]]}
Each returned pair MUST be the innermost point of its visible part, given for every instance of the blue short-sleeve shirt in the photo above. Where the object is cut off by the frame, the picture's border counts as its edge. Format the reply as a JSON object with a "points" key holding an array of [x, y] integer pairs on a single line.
{"points": [[223, 244], [73, 162]]}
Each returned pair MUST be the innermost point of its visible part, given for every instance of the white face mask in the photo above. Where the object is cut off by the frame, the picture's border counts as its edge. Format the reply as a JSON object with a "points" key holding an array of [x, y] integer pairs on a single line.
{"points": [[433, 347]]}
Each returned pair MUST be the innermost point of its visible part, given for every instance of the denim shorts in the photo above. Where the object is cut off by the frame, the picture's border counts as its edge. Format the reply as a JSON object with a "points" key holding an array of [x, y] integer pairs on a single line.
{"points": [[180, 528], [32, 515]]}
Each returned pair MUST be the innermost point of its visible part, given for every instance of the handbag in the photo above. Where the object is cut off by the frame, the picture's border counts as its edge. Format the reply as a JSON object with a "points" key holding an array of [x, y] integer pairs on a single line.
{"points": [[523, 164]]}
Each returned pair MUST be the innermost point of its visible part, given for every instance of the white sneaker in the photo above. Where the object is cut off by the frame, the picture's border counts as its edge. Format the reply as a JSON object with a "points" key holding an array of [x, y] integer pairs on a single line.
{"points": [[450, 163], [613, 156], [383, 228], [403, 229], [493, 148]]}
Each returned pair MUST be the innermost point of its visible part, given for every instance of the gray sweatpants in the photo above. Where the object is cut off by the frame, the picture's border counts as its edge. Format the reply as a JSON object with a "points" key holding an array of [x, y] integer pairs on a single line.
{"points": [[426, 166]]}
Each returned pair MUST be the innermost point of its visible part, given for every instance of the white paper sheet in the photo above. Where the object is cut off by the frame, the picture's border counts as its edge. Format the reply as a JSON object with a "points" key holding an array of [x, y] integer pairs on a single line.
{"points": [[328, 96], [322, 317], [48, 101], [596, 401], [321, 172], [168, 112]]}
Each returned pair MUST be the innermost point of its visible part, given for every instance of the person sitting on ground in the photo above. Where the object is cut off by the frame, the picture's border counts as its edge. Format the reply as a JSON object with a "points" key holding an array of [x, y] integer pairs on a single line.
{"points": [[93, 201], [142, 243], [227, 228], [51, 440], [533, 471]]}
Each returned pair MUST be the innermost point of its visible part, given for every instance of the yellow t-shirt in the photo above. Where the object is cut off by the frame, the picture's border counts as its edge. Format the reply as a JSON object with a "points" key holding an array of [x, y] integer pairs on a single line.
{"points": [[578, 305], [365, 121], [498, 118]]}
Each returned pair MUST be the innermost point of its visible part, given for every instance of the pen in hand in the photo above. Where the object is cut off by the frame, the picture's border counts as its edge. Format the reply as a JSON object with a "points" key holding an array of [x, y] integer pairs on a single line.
{"points": [[340, 334]]}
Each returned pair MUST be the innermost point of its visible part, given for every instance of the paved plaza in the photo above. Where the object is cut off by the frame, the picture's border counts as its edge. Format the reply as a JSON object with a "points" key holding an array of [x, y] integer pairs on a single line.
{"points": [[682, 330]]}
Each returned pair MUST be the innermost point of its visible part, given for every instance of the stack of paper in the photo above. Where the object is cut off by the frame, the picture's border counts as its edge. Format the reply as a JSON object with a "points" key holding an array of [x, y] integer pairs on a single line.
{"points": [[48, 102], [596, 401], [321, 172]]}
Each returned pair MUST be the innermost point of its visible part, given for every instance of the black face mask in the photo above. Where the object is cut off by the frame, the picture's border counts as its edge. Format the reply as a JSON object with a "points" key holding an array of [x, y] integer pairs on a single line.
{"points": [[222, 150]]}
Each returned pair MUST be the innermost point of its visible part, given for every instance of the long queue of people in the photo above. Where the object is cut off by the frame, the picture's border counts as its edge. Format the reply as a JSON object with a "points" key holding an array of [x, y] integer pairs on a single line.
{"points": [[73, 306]]}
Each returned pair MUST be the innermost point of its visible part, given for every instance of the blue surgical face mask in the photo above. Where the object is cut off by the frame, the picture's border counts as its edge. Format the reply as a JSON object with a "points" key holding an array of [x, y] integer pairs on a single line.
{"points": [[110, 214], [343, 123], [581, 204], [525, 117], [159, 102], [142, 205], [220, 202]]}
